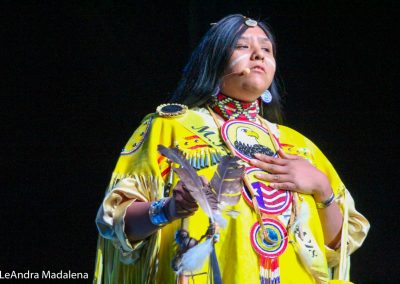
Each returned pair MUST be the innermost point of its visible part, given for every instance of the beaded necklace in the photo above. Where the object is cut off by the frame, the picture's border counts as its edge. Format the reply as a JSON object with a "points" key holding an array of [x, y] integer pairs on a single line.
{"points": [[233, 109], [273, 207]]}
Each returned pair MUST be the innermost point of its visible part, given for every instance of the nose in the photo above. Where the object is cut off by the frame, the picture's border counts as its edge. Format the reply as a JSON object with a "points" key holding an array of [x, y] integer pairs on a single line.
{"points": [[257, 54]]}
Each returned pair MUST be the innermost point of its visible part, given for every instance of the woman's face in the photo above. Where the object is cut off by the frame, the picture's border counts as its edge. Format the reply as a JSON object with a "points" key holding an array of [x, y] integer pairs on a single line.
{"points": [[253, 52]]}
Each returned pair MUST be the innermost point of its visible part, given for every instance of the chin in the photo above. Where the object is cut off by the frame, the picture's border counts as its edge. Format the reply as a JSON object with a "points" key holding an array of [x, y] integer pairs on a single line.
{"points": [[248, 98], [256, 86], [255, 92]]}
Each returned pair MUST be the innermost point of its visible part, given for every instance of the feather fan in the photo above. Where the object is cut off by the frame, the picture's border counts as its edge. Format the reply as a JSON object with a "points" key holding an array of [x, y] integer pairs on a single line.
{"points": [[227, 182], [224, 188], [189, 177], [194, 258]]}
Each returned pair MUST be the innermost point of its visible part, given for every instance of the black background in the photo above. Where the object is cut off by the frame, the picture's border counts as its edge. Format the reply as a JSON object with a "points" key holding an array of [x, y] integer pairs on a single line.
{"points": [[80, 76]]}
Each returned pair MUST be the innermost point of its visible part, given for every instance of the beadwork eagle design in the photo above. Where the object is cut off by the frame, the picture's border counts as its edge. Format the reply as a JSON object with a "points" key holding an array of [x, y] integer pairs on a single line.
{"points": [[247, 143]]}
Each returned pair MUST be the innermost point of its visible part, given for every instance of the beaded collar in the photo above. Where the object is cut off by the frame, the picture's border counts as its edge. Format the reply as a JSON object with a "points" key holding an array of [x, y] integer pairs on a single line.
{"points": [[230, 108]]}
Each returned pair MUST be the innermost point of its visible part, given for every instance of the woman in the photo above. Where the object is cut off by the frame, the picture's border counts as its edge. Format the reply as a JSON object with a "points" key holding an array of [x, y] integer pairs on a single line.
{"points": [[294, 215]]}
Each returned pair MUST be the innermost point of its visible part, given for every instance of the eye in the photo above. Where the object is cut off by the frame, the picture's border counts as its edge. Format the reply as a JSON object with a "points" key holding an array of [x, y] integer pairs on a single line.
{"points": [[266, 49], [242, 46]]}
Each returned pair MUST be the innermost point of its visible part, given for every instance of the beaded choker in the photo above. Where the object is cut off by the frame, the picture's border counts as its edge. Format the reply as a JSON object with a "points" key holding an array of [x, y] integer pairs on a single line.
{"points": [[230, 108]]}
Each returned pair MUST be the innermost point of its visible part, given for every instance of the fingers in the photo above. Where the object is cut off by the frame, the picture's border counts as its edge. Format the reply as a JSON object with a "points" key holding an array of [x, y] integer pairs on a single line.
{"points": [[184, 204], [269, 159], [267, 165], [275, 165], [182, 211], [182, 190], [278, 181], [280, 160], [183, 196], [275, 178], [178, 186], [287, 156], [284, 186]]}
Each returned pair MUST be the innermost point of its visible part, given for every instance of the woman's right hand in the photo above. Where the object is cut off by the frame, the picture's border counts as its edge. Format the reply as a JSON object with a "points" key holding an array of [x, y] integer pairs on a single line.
{"points": [[138, 225], [181, 204]]}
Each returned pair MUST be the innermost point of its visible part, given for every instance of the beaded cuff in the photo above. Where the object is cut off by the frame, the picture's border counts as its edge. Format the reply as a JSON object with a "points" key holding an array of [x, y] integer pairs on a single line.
{"points": [[157, 214]]}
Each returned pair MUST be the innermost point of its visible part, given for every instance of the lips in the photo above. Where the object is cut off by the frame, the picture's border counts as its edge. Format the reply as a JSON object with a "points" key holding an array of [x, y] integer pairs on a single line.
{"points": [[258, 68]]}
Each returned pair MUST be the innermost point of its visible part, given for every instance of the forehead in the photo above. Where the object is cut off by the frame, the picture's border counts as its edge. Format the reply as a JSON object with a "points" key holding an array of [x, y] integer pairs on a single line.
{"points": [[254, 32]]}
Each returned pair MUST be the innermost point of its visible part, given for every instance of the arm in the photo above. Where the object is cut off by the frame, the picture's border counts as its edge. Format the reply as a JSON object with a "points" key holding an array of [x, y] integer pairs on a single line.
{"points": [[331, 218], [138, 213], [138, 224]]}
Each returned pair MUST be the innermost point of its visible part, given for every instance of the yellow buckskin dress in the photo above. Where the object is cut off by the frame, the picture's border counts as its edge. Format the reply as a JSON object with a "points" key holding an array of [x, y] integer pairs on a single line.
{"points": [[142, 173]]}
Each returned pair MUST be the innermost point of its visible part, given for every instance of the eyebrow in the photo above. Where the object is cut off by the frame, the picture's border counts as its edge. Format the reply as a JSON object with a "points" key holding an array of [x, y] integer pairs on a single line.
{"points": [[262, 39]]}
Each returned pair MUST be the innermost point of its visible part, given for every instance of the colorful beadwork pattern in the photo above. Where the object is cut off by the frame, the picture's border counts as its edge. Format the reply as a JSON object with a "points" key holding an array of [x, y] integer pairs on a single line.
{"points": [[247, 138], [276, 232], [269, 200]]}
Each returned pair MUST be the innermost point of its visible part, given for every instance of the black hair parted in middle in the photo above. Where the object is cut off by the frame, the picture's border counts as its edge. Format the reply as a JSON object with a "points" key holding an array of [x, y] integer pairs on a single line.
{"points": [[201, 76]]}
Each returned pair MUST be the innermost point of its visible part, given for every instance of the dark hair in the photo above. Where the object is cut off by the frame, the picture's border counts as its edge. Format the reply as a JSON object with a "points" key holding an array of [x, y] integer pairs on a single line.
{"points": [[201, 76]]}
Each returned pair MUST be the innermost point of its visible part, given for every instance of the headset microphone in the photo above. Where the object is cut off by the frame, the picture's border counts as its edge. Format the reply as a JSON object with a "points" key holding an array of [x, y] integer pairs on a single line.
{"points": [[245, 71]]}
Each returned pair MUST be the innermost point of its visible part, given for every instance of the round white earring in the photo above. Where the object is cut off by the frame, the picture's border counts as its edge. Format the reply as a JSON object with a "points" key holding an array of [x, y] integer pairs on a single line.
{"points": [[216, 92], [266, 97]]}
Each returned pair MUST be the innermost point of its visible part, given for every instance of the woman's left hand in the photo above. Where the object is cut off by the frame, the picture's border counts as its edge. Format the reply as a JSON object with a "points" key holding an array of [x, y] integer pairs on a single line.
{"points": [[294, 173]]}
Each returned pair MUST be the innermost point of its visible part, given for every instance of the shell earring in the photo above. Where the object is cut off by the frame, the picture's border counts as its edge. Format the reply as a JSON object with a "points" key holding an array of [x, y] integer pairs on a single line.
{"points": [[216, 92], [266, 97]]}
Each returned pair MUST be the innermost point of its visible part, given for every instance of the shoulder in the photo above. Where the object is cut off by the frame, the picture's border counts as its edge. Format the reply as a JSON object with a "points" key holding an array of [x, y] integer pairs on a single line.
{"points": [[288, 135], [139, 136], [164, 114], [174, 111], [168, 121], [294, 142], [175, 116], [171, 110]]}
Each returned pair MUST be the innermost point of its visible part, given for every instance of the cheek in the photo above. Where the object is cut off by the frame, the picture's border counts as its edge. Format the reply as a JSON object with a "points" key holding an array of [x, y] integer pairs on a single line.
{"points": [[270, 66], [270, 63], [238, 60]]}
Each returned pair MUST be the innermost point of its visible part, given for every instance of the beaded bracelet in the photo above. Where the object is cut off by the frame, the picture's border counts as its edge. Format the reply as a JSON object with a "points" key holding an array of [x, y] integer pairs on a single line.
{"points": [[156, 212], [326, 203]]}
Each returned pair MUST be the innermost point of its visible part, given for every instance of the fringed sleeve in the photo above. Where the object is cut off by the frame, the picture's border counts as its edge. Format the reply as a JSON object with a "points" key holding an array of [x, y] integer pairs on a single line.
{"points": [[136, 177], [110, 217], [357, 230], [355, 225]]}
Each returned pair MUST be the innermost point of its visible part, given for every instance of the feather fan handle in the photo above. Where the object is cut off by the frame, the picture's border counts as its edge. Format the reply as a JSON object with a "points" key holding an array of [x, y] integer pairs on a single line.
{"points": [[227, 181], [189, 177]]}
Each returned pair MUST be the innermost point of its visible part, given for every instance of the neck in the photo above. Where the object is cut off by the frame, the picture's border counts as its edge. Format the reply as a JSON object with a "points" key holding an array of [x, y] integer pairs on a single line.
{"points": [[230, 108]]}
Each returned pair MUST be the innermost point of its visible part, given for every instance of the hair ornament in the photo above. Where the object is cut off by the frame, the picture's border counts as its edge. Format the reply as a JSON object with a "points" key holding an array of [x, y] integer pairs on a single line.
{"points": [[250, 22]]}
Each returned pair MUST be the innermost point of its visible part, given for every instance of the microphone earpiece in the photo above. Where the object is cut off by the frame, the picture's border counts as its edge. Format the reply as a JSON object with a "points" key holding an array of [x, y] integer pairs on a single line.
{"points": [[246, 71]]}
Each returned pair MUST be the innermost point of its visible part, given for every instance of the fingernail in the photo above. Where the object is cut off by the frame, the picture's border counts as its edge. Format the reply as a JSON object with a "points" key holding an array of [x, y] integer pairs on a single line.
{"points": [[253, 161], [272, 185]]}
